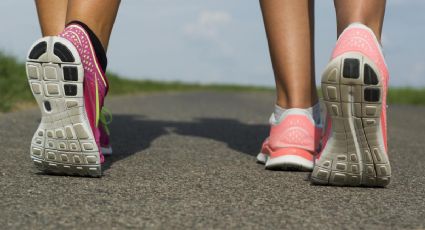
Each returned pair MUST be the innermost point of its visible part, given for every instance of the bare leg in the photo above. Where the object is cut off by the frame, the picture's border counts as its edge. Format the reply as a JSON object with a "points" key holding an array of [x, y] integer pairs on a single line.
{"points": [[290, 31], [51, 15], [99, 15], [370, 13]]}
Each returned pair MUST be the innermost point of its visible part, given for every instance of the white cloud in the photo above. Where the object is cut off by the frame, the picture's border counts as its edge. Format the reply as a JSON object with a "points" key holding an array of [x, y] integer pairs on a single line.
{"points": [[211, 30], [208, 25]]}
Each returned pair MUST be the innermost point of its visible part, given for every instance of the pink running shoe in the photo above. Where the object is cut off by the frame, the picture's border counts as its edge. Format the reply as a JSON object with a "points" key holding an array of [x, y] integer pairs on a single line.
{"points": [[292, 143], [354, 87], [69, 86]]}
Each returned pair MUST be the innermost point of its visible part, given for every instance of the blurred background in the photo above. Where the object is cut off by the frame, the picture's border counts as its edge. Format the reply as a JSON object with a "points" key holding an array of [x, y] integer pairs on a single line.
{"points": [[219, 41]]}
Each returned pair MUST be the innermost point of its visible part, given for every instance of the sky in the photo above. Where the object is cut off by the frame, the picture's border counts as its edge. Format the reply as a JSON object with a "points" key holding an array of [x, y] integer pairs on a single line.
{"points": [[220, 41]]}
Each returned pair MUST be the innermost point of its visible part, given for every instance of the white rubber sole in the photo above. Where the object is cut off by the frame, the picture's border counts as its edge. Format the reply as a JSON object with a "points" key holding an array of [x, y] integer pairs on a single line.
{"points": [[262, 158], [285, 163], [355, 153], [64, 142]]}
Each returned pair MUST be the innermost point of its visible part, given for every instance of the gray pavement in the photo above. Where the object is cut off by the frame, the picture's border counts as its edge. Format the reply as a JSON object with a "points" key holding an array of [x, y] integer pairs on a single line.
{"points": [[187, 160]]}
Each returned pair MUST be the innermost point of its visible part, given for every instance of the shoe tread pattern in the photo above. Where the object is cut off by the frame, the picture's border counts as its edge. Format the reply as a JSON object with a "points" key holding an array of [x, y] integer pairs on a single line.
{"points": [[63, 143], [354, 154]]}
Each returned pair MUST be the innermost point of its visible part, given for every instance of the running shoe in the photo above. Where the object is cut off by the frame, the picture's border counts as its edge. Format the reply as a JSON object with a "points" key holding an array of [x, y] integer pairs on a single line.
{"points": [[69, 86], [292, 143], [354, 87]]}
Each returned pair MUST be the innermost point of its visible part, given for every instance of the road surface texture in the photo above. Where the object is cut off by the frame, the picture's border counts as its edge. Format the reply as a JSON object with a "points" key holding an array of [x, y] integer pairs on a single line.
{"points": [[187, 160]]}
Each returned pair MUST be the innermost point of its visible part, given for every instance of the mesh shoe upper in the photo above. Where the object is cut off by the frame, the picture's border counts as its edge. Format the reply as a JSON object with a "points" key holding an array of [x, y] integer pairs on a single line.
{"points": [[295, 130], [95, 82]]}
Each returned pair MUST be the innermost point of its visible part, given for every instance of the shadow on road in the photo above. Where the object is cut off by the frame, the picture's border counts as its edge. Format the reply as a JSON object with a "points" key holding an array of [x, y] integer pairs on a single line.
{"points": [[135, 133]]}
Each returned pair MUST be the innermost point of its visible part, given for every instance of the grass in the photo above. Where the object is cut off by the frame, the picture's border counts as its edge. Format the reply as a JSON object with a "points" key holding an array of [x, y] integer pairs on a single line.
{"points": [[408, 96], [15, 92], [14, 88], [120, 86]]}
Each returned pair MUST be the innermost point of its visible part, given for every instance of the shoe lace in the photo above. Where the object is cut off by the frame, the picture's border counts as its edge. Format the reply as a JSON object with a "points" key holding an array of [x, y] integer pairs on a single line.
{"points": [[105, 119]]}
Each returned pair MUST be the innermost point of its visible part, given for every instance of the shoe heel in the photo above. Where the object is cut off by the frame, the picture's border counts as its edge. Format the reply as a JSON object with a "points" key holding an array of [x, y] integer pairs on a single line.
{"points": [[63, 142], [355, 155], [291, 159]]}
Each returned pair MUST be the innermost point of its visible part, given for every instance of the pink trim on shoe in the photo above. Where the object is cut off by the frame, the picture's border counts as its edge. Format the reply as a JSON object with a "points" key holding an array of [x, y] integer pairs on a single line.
{"points": [[360, 38], [292, 142], [354, 86], [291, 152], [264, 146], [95, 82], [295, 131]]}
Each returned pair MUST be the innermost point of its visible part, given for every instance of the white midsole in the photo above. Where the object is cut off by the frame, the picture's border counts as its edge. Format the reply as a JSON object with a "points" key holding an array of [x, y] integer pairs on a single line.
{"points": [[289, 160], [284, 161]]}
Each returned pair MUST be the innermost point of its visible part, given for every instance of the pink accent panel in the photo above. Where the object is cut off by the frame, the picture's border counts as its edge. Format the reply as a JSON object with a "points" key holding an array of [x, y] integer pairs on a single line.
{"points": [[102, 158], [90, 100], [104, 137], [92, 73], [363, 41], [292, 152], [264, 147], [77, 35], [295, 131]]}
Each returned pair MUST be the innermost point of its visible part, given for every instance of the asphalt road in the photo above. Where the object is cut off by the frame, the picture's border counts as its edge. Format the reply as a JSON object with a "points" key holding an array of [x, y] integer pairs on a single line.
{"points": [[187, 160]]}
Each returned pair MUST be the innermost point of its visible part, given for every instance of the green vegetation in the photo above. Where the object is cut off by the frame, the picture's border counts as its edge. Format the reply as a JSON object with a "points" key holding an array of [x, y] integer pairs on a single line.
{"points": [[14, 88], [15, 93], [121, 86], [409, 96]]}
